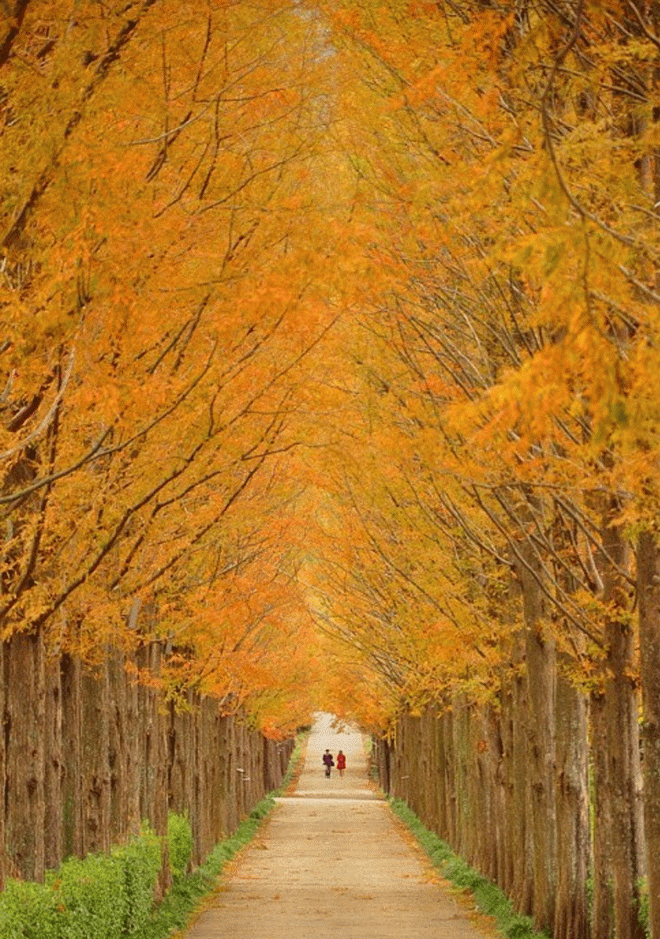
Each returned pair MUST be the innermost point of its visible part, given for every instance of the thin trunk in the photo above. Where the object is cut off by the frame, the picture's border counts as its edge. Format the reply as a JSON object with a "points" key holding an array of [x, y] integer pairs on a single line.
{"points": [[603, 898], [440, 773], [648, 573], [573, 839], [4, 744], [25, 715], [540, 659], [622, 736], [70, 672], [54, 765]]}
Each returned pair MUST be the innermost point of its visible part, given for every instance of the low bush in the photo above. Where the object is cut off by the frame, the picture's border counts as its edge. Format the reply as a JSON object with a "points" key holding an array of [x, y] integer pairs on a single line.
{"points": [[90, 897], [187, 891], [28, 911], [141, 862], [180, 844], [101, 897]]}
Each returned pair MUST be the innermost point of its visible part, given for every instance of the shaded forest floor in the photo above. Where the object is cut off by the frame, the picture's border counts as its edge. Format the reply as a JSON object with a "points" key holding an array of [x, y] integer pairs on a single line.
{"points": [[332, 858]]}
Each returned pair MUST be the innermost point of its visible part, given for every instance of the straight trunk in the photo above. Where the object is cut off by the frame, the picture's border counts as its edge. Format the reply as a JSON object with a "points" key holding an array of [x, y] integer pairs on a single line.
{"points": [[648, 574], [518, 849], [603, 894], [4, 745], [541, 675], [25, 716], [621, 795], [95, 760], [540, 660], [572, 798], [70, 678], [54, 765]]}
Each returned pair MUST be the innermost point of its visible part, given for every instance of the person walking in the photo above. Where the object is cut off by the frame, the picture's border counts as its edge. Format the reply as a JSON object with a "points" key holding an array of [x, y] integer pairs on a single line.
{"points": [[341, 763], [328, 762]]}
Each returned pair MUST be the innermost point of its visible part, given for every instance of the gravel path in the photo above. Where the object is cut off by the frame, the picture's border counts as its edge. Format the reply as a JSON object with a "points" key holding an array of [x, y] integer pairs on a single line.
{"points": [[332, 860]]}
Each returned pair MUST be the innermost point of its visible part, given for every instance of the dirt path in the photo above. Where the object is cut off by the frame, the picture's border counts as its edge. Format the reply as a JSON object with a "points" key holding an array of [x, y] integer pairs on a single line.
{"points": [[332, 860]]}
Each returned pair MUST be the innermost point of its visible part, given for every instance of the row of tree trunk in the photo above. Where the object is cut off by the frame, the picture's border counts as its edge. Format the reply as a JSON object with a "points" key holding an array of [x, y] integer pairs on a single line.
{"points": [[88, 754], [532, 804]]}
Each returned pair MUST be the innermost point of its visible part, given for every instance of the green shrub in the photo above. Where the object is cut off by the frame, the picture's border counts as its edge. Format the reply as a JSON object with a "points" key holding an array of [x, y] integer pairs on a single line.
{"points": [[262, 808], [140, 861], [187, 891], [92, 898], [462, 875], [28, 911], [100, 897], [180, 842], [111, 897]]}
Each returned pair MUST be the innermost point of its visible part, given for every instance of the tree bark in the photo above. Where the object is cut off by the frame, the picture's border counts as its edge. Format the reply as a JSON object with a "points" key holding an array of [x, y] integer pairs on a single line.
{"points": [[619, 728], [124, 759], [648, 574], [572, 797], [603, 902], [95, 760], [70, 678], [25, 717], [540, 693], [519, 848], [54, 764], [4, 861]]}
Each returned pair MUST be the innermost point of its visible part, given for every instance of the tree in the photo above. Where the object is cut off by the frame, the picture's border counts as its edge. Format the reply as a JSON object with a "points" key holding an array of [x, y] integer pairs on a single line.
{"points": [[524, 293]]}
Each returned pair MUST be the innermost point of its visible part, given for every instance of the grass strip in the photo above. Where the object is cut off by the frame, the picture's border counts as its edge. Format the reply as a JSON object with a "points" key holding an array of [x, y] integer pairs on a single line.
{"points": [[488, 898]]}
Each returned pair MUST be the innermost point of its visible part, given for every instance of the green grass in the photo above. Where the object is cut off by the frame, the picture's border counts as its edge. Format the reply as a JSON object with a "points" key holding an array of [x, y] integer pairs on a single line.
{"points": [[104, 896], [488, 898]]}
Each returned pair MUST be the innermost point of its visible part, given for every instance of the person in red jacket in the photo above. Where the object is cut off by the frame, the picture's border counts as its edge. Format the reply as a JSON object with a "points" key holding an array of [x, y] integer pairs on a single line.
{"points": [[341, 763]]}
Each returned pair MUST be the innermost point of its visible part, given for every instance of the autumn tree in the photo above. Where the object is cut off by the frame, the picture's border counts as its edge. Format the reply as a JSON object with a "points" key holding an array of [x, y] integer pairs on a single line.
{"points": [[158, 312], [518, 172], [147, 377]]}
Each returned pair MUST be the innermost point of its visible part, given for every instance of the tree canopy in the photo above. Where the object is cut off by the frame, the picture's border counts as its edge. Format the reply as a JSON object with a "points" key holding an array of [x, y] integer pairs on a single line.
{"points": [[326, 323]]}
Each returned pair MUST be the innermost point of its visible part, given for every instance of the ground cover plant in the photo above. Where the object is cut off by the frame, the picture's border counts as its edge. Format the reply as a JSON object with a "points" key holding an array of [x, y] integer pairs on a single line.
{"points": [[104, 896]]}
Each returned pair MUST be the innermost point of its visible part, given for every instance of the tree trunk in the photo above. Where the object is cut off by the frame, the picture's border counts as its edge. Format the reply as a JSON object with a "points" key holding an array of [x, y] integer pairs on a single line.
{"points": [[4, 744], [520, 848], [25, 717], [70, 671], [124, 759], [621, 795], [603, 902], [541, 692], [540, 660], [95, 760], [54, 765], [154, 796], [573, 838], [648, 574]]}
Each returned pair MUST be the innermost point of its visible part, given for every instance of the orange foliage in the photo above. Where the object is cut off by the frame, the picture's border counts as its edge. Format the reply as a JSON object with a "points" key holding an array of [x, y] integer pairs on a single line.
{"points": [[315, 321]]}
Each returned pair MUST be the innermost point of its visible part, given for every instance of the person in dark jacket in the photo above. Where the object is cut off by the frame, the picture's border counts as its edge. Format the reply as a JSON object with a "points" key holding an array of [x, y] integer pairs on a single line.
{"points": [[328, 762]]}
